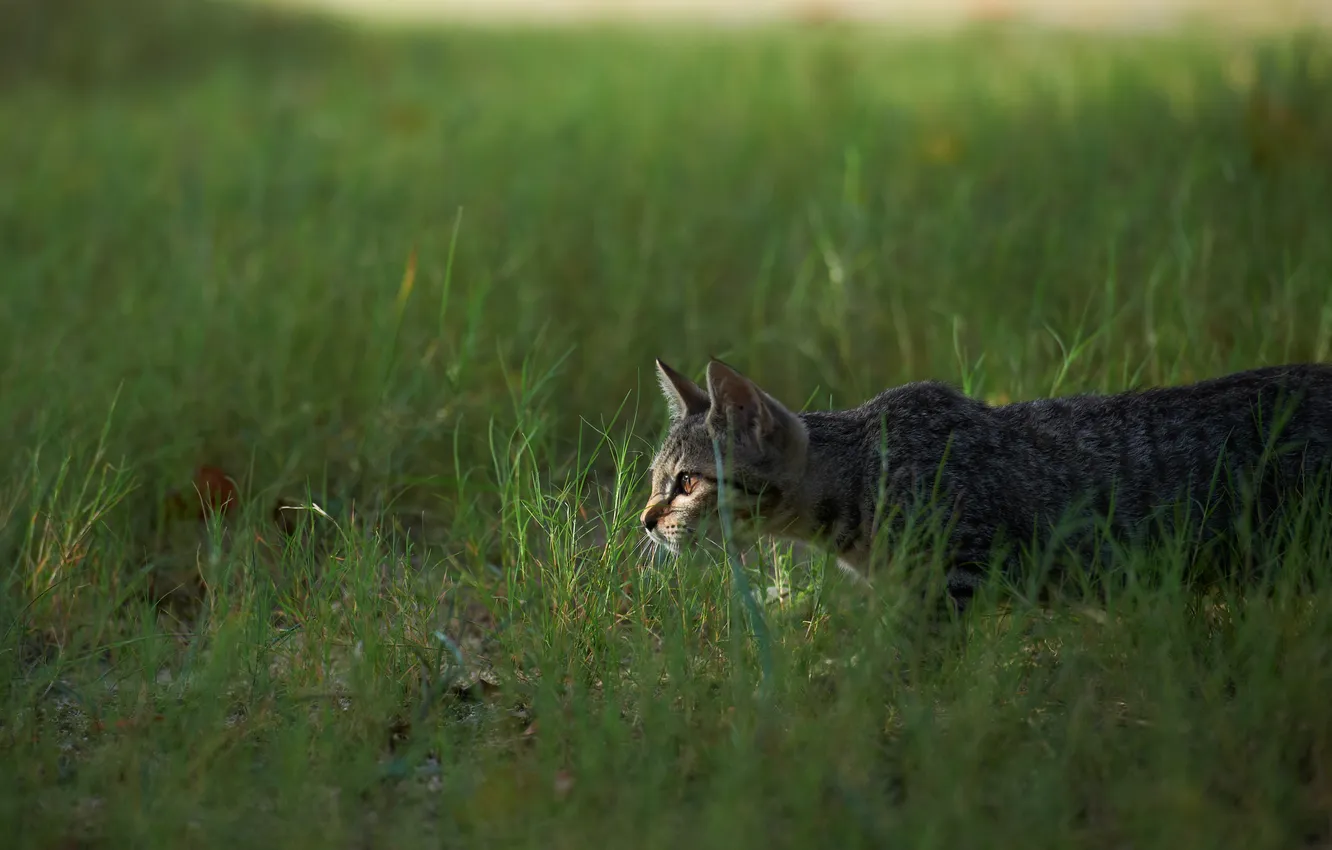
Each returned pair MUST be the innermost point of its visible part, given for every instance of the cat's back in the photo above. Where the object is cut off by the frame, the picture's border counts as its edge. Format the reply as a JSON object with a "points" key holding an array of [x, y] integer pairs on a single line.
{"points": [[935, 401], [1298, 392], [919, 423], [1154, 434], [1152, 442]]}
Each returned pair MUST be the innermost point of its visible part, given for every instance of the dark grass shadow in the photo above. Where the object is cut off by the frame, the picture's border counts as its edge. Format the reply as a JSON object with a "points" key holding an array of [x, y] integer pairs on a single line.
{"points": [[87, 46]]}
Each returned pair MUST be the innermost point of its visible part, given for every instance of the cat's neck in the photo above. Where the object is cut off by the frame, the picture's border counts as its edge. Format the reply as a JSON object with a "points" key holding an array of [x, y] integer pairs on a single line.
{"points": [[826, 506]]}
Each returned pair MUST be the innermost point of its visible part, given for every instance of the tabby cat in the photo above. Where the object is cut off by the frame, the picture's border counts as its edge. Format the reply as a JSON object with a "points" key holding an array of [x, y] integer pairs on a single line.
{"points": [[1131, 464]]}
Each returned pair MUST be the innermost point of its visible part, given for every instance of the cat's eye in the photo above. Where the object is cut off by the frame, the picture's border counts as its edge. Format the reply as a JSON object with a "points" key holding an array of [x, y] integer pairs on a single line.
{"points": [[685, 483]]}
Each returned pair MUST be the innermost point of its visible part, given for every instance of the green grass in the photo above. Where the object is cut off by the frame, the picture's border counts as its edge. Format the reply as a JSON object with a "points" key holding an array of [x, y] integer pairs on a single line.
{"points": [[206, 224]]}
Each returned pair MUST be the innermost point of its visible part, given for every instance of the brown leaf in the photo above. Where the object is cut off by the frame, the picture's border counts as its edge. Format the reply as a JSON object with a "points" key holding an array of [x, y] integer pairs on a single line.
{"points": [[212, 491]]}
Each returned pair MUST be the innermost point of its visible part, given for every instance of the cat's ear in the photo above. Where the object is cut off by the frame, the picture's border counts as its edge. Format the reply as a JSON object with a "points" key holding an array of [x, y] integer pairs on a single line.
{"points": [[683, 396], [748, 413]]}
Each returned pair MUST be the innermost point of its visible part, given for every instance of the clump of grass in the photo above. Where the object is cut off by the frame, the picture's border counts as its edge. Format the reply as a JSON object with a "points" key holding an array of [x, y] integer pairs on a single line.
{"points": [[425, 618]]}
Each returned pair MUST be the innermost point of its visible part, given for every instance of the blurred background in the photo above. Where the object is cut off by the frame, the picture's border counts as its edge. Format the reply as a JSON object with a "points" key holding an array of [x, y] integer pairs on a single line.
{"points": [[410, 262], [1076, 13], [346, 239]]}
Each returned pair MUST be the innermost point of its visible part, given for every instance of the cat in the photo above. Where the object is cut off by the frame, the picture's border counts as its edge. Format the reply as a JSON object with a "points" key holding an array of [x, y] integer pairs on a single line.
{"points": [[1007, 474]]}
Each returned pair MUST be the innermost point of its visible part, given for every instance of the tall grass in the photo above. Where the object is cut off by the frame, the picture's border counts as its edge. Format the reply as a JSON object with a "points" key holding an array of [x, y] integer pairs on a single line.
{"points": [[327, 393]]}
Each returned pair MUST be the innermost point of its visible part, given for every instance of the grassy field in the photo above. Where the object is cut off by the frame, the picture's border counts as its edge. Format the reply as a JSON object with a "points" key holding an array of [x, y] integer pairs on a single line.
{"points": [[394, 298]]}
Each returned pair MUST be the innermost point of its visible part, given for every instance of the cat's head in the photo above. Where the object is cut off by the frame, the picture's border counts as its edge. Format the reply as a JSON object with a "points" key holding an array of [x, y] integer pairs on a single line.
{"points": [[762, 446]]}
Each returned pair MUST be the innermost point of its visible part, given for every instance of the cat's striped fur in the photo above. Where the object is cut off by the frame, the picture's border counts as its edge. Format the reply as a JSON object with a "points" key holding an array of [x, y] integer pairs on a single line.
{"points": [[1223, 448]]}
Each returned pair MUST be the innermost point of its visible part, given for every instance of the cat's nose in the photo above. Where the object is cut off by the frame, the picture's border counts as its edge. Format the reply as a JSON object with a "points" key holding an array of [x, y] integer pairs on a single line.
{"points": [[651, 516]]}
